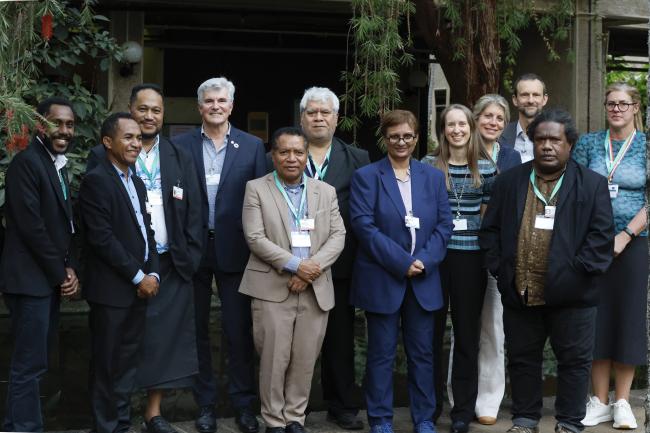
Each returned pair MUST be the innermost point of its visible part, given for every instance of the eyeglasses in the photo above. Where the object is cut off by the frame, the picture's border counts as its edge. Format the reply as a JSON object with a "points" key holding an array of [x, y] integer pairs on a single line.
{"points": [[406, 138], [622, 106]]}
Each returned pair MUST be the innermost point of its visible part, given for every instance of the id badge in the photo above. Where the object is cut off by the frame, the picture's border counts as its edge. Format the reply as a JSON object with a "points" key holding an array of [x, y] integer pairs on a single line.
{"points": [[613, 190], [154, 198], [307, 224], [177, 192], [460, 224], [212, 179], [549, 211], [300, 240], [543, 223], [412, 222]]}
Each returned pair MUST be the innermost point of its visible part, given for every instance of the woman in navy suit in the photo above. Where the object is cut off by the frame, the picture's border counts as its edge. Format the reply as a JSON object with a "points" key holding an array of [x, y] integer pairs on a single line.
{"points": [[399, 211]]}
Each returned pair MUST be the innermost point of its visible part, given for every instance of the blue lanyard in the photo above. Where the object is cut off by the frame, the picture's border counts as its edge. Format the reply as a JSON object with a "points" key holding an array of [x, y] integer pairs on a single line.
{"points": [[314, 170], [297, 213]]}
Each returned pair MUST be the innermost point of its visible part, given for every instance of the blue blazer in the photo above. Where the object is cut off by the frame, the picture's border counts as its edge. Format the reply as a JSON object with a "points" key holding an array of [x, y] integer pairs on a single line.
{"points": [[245, 160], [377, 215], [508, 157]]}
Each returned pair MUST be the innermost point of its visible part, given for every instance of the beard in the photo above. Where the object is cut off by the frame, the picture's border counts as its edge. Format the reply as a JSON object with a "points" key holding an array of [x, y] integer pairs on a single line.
{"points": [[47, 142]]}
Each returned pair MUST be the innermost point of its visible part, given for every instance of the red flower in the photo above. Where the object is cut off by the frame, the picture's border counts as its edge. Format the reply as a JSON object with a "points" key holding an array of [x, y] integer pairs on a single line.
{"points": [[9, 115], [46, 26]]}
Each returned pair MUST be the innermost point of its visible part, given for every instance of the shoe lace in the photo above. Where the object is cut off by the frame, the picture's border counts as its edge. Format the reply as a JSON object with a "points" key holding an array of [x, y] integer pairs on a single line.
{"points": [[520, 429]]}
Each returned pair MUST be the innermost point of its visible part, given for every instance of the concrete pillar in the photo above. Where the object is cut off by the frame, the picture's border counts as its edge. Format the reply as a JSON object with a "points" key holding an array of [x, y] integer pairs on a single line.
{"points": [[125, 26], [589, 68]]}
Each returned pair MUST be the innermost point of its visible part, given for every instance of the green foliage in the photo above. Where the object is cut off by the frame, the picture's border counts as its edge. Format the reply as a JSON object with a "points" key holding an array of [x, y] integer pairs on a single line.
{"points": [[34, 66], [379, 51], [619, 71]]}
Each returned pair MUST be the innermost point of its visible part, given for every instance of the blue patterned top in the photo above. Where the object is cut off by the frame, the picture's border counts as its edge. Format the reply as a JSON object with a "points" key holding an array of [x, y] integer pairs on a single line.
{"points": [[630, 176], [468, 199]]}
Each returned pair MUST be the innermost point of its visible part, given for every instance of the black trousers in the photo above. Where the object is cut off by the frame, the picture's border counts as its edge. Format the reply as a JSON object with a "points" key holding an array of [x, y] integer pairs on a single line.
{"points": [[116, 336], [571, 332], [237, 327], [463, 279], [337, 354]]}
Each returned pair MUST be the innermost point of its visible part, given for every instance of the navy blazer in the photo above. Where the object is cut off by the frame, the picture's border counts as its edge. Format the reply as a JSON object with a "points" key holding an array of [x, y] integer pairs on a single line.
{"points": [[582, 245], [245, 160], [507, 158], [377, 215], [509, 135]]}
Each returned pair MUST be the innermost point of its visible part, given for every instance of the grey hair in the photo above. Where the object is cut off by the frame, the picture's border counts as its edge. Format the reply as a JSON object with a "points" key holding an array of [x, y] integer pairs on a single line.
{"points": [[319, 94], [216, 84], [490, 99]]}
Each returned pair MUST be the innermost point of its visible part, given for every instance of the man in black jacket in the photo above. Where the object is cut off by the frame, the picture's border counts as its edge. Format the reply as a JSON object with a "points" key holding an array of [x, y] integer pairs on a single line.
{"points": [[121, 270], [548, 233], [38, 264]]}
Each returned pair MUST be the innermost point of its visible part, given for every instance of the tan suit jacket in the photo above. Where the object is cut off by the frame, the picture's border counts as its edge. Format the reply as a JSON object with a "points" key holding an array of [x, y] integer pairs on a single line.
{"points": [[267, 230]]}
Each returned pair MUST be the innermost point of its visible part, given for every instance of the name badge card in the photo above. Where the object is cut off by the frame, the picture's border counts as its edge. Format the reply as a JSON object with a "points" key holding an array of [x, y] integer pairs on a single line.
{"points": [[549, 211], [300, 240], [212, 179], [460, 224], [613, 190], [154, 198], [412, 222], [177, 192], [307, 224], [544, 223]]}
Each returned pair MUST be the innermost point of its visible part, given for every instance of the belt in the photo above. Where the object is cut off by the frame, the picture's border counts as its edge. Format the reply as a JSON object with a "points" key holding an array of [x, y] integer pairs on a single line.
{"points": [[211, 234]]}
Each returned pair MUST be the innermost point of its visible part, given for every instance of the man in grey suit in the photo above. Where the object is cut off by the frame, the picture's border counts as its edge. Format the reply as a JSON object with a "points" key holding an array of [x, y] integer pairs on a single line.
{"points": [[295, 233]]}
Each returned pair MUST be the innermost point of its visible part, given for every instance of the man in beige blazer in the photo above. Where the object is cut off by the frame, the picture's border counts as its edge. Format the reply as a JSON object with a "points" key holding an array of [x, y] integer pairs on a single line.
{"points": [[295, 233]]}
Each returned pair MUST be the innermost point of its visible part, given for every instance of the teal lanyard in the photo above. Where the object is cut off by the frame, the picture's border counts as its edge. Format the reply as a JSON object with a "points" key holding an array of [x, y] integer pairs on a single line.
{"points": [[612, 162], [495, 151], [320, 171], [539, 194], [63, 187], [297, 213], [156, 168]]}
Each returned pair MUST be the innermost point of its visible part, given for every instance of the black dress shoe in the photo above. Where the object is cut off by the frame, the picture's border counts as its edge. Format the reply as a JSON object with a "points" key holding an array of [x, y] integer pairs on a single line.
{"points": [[275, 430], [158, 424], [345, 420], [246, 421], [207, 420], [294, 427], [459, 427]]}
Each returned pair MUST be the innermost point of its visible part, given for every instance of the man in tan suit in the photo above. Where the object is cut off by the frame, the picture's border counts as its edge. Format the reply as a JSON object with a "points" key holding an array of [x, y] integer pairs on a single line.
{"points": [[295, 233]]}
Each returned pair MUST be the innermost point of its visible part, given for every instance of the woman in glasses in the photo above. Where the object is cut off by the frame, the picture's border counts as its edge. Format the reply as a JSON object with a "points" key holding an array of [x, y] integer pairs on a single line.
{"points": [[469, 173], [399, 212], [619, 153]]}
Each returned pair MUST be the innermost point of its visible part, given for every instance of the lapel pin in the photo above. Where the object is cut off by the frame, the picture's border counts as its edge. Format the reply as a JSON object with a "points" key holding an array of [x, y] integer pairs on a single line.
{"points": [[235, 145]]}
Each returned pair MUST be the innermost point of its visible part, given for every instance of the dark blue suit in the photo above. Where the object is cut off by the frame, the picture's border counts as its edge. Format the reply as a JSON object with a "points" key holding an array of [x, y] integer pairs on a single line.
{"points": [[380, 285], [507, 158], [224, 258]]}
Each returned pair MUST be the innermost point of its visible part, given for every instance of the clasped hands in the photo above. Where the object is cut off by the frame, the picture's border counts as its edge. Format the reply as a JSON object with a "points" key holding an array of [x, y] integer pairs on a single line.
{"points": [[308, 271], [148, 287], [416, 268], [70, 285]]}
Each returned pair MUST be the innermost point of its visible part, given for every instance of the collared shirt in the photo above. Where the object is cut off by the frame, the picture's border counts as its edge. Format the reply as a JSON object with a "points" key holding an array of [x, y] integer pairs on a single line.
{"points": [[523, 145], [135, 203], [318, 171], [153, 182], [405, 191], [213, 164], [59, 161], [295, 192], [533, 245]]}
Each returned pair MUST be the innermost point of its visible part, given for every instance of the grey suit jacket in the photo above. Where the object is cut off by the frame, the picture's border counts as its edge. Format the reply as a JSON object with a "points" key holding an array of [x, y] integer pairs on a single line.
{"points": [[267, 229]]}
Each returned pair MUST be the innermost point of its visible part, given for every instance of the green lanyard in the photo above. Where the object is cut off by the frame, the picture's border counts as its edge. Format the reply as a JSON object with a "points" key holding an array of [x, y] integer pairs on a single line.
{"points": [[495, 151], [297, 213], [612, 162], [150, 175], [320, 171], [63, 187], [539, 194]]}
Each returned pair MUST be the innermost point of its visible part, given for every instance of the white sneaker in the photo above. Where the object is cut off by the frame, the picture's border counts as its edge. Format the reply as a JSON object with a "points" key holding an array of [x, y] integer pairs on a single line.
{"points": [[623, 416], [597, 412]]}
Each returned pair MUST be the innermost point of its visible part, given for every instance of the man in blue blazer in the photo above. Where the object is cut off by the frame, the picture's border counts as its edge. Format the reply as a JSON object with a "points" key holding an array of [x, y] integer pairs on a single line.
{"points": [[225, 158]]}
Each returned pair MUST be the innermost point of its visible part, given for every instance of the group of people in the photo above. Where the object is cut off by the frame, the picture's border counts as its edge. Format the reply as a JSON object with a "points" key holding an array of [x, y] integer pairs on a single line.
{"points": [[298, 238]]}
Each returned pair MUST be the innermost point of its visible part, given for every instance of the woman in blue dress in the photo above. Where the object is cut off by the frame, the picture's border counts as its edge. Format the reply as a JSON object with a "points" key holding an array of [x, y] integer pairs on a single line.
{"points": [[619, 153]]}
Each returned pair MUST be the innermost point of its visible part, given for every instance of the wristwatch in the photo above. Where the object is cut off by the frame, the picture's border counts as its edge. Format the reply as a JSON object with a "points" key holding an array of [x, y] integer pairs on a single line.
{"points": [[629, 232]]}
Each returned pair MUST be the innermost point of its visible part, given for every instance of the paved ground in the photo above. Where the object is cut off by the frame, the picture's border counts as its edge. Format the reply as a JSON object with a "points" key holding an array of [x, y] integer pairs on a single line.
{"points": [[316, 422]]}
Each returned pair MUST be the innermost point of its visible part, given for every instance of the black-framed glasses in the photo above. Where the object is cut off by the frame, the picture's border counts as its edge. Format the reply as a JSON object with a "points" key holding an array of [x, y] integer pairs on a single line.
{"points": [[406, 138], [622, 106]]}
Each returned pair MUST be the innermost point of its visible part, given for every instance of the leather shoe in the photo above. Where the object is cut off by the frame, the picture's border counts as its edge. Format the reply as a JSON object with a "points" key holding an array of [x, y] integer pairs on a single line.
{"points": [[275, 430], [246, 421], [459, 427], [207, 420], [345, 420], [158, 424], [486, 420], [294, 427]]}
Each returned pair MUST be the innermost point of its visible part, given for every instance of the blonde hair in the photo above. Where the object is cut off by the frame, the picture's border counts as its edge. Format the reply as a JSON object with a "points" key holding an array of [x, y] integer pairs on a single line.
{"points": [[492, 99], [475, 147], [634, 94]]}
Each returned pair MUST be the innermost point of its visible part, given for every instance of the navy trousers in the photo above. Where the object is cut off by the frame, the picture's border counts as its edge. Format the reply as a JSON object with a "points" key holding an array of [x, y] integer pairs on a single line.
{"points": [[237, 326], [417, 333], [34, 322]]}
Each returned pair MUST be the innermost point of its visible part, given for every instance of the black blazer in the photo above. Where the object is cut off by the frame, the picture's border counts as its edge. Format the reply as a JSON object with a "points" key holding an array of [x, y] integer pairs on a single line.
{"points": [[182, 217], [38, 241], [582, 244], [114, 246], [244, 161], [509, 135]]}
